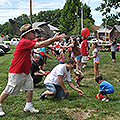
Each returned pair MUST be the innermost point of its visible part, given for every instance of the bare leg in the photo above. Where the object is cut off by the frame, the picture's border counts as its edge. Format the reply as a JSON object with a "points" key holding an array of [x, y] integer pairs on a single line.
{"points": [[78, 64], [3, 97], [105, 96], [28, 95], [96, 71], [48, 93]]}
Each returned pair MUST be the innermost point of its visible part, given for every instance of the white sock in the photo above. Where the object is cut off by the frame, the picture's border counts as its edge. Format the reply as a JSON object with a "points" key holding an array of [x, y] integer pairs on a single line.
{"points": [[1, 104], [28, 104]]}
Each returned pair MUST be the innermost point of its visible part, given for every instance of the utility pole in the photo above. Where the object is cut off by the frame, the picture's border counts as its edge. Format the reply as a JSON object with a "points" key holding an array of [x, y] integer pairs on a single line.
{"points": [[31, 12], [105, 19], [77, 21], [81, 15]]}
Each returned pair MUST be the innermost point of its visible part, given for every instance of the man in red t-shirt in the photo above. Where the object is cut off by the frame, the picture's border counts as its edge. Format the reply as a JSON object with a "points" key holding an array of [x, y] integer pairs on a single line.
{"points": [[19, 71], [84, 51]]}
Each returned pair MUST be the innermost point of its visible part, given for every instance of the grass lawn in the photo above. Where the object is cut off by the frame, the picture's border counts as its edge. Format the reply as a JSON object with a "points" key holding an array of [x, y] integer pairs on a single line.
{"points": [[74, 106]]}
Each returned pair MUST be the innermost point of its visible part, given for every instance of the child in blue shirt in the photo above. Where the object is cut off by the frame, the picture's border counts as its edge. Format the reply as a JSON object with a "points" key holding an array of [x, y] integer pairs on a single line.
{"points": [[105, 88]]}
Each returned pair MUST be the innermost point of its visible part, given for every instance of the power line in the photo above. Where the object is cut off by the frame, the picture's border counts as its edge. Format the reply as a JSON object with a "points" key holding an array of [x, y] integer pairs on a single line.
{"points": [[23, 8]]}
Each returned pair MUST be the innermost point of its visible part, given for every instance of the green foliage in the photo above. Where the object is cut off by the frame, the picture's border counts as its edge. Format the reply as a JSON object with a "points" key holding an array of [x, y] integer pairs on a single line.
{"points": [[118, 40], [51, 16], [23, 19], [90, 44], [106, 7], [103, 43], [68, 17]]}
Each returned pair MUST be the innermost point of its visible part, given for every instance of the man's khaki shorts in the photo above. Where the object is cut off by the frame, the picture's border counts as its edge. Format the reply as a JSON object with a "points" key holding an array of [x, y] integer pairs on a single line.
{"points": [[19, 82]]}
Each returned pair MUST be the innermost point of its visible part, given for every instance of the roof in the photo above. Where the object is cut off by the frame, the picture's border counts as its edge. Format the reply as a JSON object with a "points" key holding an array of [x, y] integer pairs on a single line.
{"points": [[38, 24], [53, 28], [117, 27], [102, 30], [94, 27]]}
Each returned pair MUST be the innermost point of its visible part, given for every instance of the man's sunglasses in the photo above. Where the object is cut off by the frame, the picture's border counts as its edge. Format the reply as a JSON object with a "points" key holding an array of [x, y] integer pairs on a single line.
{"points": [[33, 31]]}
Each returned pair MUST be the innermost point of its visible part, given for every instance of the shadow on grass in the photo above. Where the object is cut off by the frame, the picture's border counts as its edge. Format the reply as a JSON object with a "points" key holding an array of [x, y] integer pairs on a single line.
{"points": [[9, 53], [39, 86], [70, 97], [83, 86], [114, 99]]}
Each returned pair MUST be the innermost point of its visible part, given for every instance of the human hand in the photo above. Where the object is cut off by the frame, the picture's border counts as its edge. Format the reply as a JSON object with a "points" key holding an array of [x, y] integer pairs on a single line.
{"points": [[51, 58], [98, 96], [80, 92], [66, 92], [59, 37], [88, 57]]}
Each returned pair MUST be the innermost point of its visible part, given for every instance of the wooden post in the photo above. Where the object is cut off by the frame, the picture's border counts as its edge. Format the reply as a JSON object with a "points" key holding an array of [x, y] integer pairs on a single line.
{"points": [[81, 15], [31, 12], [77, 21]]}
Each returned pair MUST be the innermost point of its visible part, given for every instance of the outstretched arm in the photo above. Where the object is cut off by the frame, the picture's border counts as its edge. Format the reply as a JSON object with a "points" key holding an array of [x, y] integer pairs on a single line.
{"points": [[45, 43], [93, 56], [74, 88], [48, 56]]}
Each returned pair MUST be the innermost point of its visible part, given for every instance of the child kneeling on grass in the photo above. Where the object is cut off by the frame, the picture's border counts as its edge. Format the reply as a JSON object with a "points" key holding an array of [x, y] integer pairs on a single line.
{"points": [[105, 88]]}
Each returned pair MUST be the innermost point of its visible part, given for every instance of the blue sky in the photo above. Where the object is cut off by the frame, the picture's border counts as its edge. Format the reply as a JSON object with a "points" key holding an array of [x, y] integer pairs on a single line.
{"points": [[14, 8]]}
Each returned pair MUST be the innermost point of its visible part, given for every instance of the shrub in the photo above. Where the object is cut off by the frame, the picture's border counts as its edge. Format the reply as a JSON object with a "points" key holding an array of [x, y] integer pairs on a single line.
{"points": [[103, 42]]}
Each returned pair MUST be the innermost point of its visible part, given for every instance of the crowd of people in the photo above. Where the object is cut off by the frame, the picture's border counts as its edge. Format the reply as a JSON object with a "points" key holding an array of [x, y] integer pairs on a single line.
{"points": [[25, 75]]}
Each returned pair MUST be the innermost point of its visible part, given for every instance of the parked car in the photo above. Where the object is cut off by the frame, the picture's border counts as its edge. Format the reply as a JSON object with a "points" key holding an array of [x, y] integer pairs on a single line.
{"points": [[1, 52], [94, 40], [98, 41], [5, 48], [14, 41]]}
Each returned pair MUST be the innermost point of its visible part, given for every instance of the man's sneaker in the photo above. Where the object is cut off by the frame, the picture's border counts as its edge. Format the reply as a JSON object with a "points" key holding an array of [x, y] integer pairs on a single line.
{"points": [[1, 111], [31, 109], [103, 99], [42, 97]]}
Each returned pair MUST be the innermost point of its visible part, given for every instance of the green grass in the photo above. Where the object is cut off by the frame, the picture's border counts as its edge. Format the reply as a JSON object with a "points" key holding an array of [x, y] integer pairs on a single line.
{"points": [[74, 106]]}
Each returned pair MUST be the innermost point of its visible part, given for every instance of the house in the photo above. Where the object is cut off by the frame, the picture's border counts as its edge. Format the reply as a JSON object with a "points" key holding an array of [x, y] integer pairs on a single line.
{"points": [[101, 33], [47, 29], [111, 32], [115, 32], [94, 28]]}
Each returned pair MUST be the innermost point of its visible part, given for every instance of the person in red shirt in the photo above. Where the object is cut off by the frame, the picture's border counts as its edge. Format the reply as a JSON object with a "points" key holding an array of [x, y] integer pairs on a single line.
{"points": [[84, 51], [19, 71]]}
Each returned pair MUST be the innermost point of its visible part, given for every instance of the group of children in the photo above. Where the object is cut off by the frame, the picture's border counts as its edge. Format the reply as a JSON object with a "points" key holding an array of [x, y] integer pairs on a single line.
{"points": [[105, 87]]}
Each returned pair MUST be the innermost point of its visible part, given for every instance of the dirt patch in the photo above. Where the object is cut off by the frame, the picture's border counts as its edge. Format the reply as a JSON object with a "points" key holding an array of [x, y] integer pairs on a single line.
{"points": [[78, 113], [75, 113]]}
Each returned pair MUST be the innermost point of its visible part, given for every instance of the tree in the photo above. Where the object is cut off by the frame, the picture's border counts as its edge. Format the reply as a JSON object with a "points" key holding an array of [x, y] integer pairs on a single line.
{"points": [[22, 19], [106, 8], [49, 16], [68, 18], [87, 24]]}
